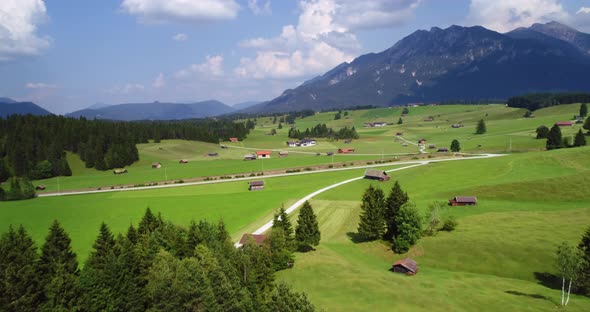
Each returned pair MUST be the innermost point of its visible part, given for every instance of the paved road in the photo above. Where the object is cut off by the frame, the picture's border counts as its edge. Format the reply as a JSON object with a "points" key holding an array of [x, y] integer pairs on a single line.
{"points": [[261, 177], [417, 163]]}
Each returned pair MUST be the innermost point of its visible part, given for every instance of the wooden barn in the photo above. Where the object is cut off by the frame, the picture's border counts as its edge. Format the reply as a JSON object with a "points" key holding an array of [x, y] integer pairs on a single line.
{"points": [[212, 154], [345, 150], [443, 150], [329, 153], [422, 141], [233, 140], [406, 266], [399, 133], [374, 174], [263, 154], [283, 154], [257, 238], [40, 187], [463, 201], [156, 165], [249, 157], [256, 185], [119, 171], [564, 123], [183, 161]]}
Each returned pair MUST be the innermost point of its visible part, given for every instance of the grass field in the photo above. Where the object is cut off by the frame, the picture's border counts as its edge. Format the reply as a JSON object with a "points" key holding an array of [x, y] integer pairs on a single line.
{"points": [[498, 258]]}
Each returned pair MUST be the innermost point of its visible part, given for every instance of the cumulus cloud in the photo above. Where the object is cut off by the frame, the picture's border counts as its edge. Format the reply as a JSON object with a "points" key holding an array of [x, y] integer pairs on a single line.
{"points": [[506, 15], [259, 9], [159, 81], [127, 88], [323, 37], [18, 28], [39, 85], [158, 11], [211, 68], [180, 37], [583, 10]]}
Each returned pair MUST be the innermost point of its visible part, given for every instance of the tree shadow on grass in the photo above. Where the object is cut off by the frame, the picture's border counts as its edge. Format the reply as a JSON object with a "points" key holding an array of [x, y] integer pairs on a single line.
{"points": [[548, 280], [356, 237], [535, 296]]}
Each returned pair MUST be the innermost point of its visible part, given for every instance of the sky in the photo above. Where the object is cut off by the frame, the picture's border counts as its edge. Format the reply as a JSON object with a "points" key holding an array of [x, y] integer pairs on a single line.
{"points": [[69, 55]]}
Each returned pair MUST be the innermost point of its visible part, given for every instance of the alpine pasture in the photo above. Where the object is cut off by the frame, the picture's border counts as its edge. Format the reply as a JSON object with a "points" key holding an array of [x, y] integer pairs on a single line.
{"points": [[501, 256]]}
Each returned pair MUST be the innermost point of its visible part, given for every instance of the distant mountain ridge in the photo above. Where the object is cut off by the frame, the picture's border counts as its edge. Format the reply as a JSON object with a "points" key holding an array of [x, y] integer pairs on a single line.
{"points": [[155, 111], [12, 107], [457, 63]]}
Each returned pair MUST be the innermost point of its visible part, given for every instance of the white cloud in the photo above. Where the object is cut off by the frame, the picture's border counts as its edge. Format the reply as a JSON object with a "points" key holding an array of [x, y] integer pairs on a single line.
{"points": [[506, 15], [180, 37], [18, 28], [127, 88], [583, 10], [159, 81], [263, 9], [323, 37], [39, 85], [159, 11], [212, 67]]}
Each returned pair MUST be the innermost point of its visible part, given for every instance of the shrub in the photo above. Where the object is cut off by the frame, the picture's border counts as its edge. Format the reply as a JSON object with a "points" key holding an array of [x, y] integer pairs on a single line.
{"points": [[450, 224]]}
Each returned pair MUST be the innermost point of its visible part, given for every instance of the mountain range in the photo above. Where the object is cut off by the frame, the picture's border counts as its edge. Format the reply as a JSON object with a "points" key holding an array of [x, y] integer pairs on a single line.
{"points": [[12, 107], [452, 64]]}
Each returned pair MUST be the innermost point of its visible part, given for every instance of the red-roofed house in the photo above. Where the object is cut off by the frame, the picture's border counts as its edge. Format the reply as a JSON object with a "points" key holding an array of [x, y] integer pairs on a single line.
{"points": [[564, 123], [345, 150], [257, 238], [463, 201], [233, 140], [263, 154]]}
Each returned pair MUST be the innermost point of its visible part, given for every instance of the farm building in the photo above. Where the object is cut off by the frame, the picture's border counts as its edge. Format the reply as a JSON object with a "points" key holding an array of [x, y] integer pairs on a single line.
{"points": [[263, 154], [345, 150], [212, 154], [375, 124], [463, 201], [405, 266], [119, 171], [431, 146], [40, 187], [379, 175], [422, 141], [306, 142], [456, 126], [329, 153], [564, 123], [183, 161], [443, 150], [256, 185], [430, 118], [249, 157], [156, 165], [233, 140], [347, 141], [292, 144], [257, 238], [283, 154], [399, 133]]}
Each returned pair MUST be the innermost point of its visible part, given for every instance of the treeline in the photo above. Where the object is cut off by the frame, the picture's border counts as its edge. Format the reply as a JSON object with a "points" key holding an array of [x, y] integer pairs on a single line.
{"points": [[536, 101], [322, 131], [157, 266], [34, 146]]}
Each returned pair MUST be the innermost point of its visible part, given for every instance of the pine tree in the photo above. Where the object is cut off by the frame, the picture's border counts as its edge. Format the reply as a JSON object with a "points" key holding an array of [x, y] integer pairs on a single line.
{"points": [[587, 125], [97, 277], [409, 227], [481, 127], [583, 110], [58, 272], [286, 300], [395, 200], [580, 139], [18, 280], [307, 233], [281, 254], [281, 220], [455, 146], [554, 139], [400, 121], [372, 221]]}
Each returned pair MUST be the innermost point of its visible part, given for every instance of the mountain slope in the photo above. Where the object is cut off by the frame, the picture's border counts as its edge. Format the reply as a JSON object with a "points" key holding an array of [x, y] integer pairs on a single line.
{"points": [[565, 33], [11, 107], [244, 105], [457, 63], [155, 111]]}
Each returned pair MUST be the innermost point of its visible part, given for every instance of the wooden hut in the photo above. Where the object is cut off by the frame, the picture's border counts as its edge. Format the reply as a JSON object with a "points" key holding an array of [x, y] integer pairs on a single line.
{"points": [[564, 123], [119, 171], [40, 187], [442, 150], [233, 140], [374, 174], [257, 238], [329, 153], [283, 154], [463, 201], [422, 141], [183, 161], [405, 266], [249, 157], [345, 150], [256, 185], [212, 154], [156, 165]]}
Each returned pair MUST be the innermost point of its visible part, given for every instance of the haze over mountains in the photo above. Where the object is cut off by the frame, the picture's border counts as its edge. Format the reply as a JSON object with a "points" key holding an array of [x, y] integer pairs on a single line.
{"points": [[457, 63]]}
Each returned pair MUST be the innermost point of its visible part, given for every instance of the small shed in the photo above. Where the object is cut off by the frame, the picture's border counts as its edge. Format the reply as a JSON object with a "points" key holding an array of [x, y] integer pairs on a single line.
{"points": [[564, 123], [443, 150], [347, 141], [156, 165], [257, 238], [374, 174], [430, 118], [456, 125], [422, 141], [406, 266], [431, 146], [399, 133], [249, 157], [40, 187], [256, 185], [119, 171], [233, 140], [263, 154], [291, 144], [345, 150], [212, 154], [183, 161], [463, 201], [329, 153], [283, 153]]}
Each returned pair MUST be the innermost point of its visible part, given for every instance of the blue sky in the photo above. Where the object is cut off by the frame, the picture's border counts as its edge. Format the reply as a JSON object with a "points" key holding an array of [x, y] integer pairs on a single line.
{"points": [[68, 55]]}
